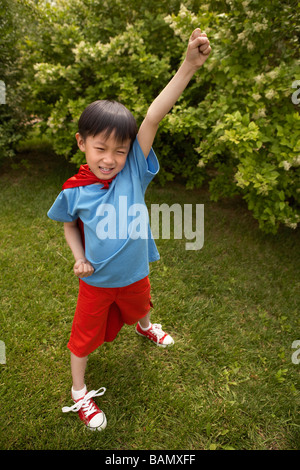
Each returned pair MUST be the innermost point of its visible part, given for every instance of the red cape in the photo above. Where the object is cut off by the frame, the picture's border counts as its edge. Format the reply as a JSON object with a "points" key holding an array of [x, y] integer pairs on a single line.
{"points": [[84, 177]]}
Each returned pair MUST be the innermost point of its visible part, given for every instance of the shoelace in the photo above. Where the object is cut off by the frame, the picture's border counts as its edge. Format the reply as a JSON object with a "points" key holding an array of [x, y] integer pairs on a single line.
{"points": [[88, 407], [156, 328]]}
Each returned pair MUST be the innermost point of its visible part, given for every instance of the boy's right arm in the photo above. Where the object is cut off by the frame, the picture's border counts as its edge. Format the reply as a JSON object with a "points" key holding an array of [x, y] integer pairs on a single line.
{"points": [[82, 267]]}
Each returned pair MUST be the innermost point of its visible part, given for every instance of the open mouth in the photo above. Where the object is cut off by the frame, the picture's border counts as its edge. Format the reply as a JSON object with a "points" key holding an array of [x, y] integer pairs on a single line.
{"points": [[105, 170]]}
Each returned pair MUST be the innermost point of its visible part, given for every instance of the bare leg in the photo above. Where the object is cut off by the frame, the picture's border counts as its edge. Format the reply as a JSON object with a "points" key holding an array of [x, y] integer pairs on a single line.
{"points": [[145, 321], [78, 366]]}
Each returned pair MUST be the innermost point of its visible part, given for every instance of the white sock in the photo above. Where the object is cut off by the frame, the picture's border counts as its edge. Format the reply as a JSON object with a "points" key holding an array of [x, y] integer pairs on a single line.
{"points": [[145, 329], [77, 394]]}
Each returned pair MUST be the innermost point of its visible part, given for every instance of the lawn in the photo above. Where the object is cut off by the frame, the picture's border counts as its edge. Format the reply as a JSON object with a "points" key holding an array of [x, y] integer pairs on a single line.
{"points": [[229, 382]]}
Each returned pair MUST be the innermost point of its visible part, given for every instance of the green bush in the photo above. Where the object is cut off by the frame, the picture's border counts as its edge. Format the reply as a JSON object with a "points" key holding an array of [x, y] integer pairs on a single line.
{"points": [[9, 135], [252, 127], [16, 20], [235, 126]]}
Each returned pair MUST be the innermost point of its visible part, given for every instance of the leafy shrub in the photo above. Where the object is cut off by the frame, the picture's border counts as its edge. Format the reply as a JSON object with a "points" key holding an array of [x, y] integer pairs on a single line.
{"points": [[16, 20], [252, 127], [9, 111], [235, 126]]}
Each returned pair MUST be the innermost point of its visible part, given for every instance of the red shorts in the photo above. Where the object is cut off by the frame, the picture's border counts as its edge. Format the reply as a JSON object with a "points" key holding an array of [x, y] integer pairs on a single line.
{"points": [[101, 312]]}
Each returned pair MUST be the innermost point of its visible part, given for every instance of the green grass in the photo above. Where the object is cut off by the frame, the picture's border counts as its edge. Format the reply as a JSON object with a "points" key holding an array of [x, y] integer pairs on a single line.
{"points": [[232, 307]]}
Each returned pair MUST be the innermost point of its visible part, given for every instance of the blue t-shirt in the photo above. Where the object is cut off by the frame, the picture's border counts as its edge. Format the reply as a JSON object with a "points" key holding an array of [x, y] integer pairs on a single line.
{"points": [[117, 235]]}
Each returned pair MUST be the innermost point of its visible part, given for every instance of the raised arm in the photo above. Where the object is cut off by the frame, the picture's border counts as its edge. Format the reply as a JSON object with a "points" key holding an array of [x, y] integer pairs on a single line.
{"points": [[197, 52]]}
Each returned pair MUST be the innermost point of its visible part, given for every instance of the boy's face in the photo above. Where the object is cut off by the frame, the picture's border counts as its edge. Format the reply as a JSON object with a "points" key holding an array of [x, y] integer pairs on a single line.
{"points": [[105, 156]]}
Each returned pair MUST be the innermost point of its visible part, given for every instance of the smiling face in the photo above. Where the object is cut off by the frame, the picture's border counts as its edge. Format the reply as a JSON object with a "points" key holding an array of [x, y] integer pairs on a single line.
{"points": [[105, 155]]}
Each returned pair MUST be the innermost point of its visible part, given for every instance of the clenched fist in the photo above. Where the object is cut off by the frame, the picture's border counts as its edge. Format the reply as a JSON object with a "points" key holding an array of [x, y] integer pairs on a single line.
{"points": [[83, 268]]}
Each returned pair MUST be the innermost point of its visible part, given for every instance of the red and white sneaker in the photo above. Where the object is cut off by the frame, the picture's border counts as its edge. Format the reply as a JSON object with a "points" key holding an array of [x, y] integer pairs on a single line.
{"points": [[88, 411], [155, 334]]}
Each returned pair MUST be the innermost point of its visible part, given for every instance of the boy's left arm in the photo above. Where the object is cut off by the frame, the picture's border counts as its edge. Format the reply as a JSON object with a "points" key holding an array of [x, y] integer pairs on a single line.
{"points": [[197, 52]]}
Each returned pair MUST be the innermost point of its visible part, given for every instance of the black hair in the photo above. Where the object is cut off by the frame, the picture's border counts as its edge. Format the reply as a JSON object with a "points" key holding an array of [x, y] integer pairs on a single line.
{"points": [[107, 116]]}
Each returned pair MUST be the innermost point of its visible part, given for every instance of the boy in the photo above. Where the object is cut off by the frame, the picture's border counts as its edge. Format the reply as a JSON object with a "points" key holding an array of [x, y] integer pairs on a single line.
{"points": [[111, 256]]}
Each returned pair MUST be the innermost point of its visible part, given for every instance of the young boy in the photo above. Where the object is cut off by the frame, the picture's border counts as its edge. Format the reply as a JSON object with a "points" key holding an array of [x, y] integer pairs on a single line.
{"points": [[97, 205]]}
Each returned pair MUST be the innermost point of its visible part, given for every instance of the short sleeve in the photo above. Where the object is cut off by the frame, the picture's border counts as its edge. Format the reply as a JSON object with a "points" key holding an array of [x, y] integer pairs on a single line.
{"points": [[64, 207], [146, 168]]}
